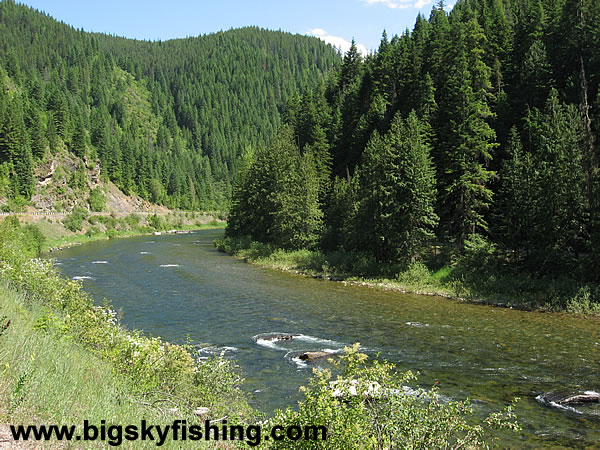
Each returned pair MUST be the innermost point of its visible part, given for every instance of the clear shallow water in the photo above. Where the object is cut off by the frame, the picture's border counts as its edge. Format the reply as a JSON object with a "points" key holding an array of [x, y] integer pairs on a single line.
{"points": [[180, 286]]}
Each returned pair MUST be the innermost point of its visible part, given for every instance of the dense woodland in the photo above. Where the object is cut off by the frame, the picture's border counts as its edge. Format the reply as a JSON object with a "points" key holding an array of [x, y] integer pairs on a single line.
{"points": [[476, 131], [165, 120]]}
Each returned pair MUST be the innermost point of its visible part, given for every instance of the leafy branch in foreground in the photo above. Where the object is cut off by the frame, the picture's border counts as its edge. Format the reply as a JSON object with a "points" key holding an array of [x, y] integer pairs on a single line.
{"points": [[368, 405]]}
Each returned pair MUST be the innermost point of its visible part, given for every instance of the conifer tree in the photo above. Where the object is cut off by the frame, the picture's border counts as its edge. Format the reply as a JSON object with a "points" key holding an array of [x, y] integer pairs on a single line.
{"points": [[555, 141], [464, 177], [397, 192]]}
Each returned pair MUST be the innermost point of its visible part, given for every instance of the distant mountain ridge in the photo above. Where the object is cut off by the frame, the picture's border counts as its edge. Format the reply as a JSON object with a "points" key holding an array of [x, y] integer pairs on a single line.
{"points": [[165, 120]]}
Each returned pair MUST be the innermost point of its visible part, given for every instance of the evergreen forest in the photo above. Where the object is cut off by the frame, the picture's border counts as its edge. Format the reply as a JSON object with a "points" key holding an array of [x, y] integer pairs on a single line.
{"points": [[164, 120], [476, 132]]}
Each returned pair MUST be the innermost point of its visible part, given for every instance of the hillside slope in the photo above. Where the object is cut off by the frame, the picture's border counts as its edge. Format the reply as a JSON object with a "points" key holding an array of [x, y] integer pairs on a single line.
{"points": [[164, 120]]}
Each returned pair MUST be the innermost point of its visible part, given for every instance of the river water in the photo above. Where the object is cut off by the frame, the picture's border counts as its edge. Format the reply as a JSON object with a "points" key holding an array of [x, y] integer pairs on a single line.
{"points": [[179, 287]]}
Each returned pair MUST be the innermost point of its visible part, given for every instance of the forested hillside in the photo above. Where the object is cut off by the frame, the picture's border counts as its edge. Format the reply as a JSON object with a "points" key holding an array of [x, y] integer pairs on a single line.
{"points": [[476, 131], [164, 120]]}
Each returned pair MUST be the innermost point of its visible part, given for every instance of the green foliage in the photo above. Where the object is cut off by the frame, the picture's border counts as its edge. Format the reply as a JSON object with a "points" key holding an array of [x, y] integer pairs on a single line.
{"points": [[477, 122], [74, 221], [275, 197], [151, 368], [395, 216], [167, 120], [156, 223], [369, 406], [19, 242], [33, 239], [97, 200], [544, 190]]}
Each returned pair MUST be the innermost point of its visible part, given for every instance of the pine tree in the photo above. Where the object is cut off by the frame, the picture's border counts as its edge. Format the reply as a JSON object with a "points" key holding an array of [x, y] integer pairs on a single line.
{"points": [[552, 187], [23, 168], [464, 178], [413, 219], [397, 192], [516, 208]]}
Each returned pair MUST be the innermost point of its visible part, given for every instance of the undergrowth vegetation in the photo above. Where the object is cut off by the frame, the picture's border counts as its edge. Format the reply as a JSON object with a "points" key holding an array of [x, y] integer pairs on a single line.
{"points": [[370, 406]]}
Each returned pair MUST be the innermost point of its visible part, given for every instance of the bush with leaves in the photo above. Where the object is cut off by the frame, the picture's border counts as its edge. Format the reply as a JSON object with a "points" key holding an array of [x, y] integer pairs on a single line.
{"points": [[369, 406], [74, 221], [97, 200]]}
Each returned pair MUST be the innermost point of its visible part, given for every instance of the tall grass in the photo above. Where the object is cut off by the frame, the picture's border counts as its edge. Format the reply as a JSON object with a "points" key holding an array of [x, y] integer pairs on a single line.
{"points": [[46, 378], [65, 359]]}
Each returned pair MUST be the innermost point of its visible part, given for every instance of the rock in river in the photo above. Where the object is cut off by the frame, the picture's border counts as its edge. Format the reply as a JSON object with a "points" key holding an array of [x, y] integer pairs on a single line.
{"points": [[278, 337], [311, 356]]}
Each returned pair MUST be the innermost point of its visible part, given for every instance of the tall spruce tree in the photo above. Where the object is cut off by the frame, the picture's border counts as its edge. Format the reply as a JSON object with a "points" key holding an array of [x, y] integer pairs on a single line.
{"points": [[554, 138], [395, 215], [469, 139]]}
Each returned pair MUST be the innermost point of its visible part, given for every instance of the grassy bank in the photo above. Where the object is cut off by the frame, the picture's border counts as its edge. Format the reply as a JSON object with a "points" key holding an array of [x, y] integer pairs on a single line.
{"points": [[65, 360], [477, 276], [51, 379], [79, 227]]}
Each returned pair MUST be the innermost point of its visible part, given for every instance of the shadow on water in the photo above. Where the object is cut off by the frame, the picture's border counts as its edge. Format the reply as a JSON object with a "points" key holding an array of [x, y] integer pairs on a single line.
{"points": [[179, 286]]}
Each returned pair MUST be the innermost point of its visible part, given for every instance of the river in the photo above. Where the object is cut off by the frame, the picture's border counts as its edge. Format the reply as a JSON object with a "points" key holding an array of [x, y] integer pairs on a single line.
{"points": [[179, 287]]}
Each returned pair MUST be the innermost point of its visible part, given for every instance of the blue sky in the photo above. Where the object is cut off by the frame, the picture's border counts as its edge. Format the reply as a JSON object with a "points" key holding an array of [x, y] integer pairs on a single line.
{"points": [[335, 21]]}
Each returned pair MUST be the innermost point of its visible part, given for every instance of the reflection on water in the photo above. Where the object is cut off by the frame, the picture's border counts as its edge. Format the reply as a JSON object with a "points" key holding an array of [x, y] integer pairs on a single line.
{"points": [[179, 286]]}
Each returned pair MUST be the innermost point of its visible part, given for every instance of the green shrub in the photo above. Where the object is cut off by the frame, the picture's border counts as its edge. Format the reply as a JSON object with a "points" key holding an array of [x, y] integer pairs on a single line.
{"points": [[34, 238], [415, 274], [368, 406], [92, 231], [74, 221], [96, 200], [108, 221], [133, 221], [156, 223], [19, 243], [480, 255], [153, 367]]}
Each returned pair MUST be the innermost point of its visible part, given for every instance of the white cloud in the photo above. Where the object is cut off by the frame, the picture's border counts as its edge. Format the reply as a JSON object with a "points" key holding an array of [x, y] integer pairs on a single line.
{"points": [[421, 3], [337, 41], [400, 4]]}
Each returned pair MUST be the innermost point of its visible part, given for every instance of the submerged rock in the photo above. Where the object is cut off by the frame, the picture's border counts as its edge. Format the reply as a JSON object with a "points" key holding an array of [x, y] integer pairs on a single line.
{"points": [[568, 402], [578, 398], [279, 337], [311, 356]]}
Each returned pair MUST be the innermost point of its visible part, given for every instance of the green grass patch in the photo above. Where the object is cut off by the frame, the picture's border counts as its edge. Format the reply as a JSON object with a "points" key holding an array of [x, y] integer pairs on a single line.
{"points": [[51, 379]]}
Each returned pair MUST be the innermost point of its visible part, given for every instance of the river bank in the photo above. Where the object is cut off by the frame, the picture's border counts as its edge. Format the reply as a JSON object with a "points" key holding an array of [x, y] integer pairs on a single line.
{"points": [[68, 230], [472, 279], [66, 360]]}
